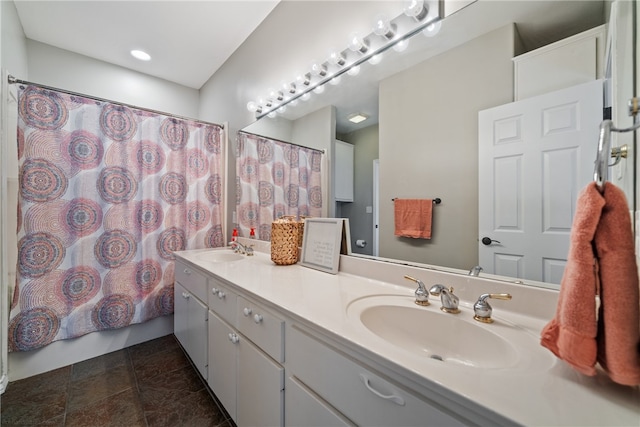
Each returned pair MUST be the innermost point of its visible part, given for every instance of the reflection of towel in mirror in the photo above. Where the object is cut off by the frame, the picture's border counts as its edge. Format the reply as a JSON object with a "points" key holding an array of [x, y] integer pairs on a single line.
{"points": [[601, 262], [413, 218]]}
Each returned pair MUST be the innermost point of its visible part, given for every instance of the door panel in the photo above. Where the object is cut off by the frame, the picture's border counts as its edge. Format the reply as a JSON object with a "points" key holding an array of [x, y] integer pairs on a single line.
{"points": [[535, 157]]}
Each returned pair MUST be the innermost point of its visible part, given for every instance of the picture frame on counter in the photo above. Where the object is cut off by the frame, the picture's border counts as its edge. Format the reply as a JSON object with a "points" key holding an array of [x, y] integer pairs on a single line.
{"points": [[323, 241]]}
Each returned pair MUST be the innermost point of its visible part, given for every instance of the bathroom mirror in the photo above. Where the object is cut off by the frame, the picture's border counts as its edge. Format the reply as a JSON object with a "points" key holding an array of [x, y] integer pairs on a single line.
{"points": [[455, 166]]}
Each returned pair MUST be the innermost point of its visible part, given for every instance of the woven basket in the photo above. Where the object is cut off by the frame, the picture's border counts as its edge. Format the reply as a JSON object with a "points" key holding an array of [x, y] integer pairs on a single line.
{"points": [[301, 229], [284, 240]]}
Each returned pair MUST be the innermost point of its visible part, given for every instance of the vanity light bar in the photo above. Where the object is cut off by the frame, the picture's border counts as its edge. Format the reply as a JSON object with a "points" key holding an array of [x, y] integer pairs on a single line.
{"points": [[434, 14]]}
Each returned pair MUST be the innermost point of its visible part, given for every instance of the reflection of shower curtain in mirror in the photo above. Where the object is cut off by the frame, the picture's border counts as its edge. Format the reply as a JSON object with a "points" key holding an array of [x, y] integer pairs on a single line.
{"points": [[275, 178], [107, 192]]}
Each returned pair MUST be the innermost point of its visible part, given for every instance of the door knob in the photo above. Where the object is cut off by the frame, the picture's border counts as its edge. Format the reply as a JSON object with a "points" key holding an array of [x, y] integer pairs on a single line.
{"points": [[487, 241]]}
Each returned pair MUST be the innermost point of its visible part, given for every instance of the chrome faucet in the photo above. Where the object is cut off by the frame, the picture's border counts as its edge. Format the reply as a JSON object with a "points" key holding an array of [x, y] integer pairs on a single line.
{"points": [[475, 271], [449, 300], [422, 296], [483, 310], [238, 247]]}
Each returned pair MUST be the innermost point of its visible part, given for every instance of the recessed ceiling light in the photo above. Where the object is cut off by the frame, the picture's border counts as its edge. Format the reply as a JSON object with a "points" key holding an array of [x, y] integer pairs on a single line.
{"points": [[141, 55], [357, 117]]}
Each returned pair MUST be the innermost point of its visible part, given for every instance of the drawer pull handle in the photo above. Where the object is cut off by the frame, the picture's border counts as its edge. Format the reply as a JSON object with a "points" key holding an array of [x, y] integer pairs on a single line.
{"points": [[221, 295], [187, 271], [247, 311], [185, 295], [257, 318], [234, 338], [214, 291], [398, 400]]}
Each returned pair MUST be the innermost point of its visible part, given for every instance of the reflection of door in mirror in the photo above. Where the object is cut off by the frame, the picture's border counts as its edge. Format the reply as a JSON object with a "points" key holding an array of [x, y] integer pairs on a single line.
{"points": [[535, 157]]}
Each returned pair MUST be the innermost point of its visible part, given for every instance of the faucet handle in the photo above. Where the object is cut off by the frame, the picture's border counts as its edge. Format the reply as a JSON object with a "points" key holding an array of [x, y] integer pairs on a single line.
{"points": [[483, 310], [422, 296]]}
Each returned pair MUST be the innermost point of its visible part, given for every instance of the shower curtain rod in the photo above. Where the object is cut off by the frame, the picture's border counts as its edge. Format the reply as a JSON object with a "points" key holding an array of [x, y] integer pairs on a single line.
{"points": [[13, 80], [323, 151]]}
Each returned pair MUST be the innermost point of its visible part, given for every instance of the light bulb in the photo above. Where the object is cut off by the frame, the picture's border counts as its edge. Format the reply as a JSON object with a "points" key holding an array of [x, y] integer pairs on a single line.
{"points": [[336, 80], [357, 43], [318, 69], [272, 114], [432, 29], [416, 9], [282, 109], [383, 27], [305, 96], [289, 87], [354, 71], [318, 89], [375, 59], [294, 102], [303, 79], [401, 46], [276, 95], [336, 58], [252, 106]]}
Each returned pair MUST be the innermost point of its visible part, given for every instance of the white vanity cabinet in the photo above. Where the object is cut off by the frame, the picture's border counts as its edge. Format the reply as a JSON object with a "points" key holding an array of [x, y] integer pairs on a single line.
{"points": [[190, 314], [246, 349], [337, 389]]}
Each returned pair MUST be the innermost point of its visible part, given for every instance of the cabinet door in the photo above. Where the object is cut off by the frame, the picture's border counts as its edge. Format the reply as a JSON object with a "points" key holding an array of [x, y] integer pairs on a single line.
{"points": [[260, 387], [343, 173], [180, 314], [222, 363], [197, 320]]}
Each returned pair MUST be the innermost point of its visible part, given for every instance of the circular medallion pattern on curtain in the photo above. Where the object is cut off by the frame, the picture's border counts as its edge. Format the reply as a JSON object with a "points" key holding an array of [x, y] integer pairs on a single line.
{"points": [[114, 248], [42, 109], [113, 311], [118, 122], [39, 254], [42, 181], [116, 185], [33, 328], [174, 133]]}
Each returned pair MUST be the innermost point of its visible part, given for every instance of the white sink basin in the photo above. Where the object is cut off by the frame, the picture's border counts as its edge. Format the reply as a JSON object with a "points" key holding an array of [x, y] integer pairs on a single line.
{"points": [[452, 339], [219, 256]]}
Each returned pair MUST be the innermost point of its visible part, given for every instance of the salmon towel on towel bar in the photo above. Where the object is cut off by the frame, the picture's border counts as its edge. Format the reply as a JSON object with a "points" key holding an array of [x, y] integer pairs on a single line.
{"points": [[413, 218]]}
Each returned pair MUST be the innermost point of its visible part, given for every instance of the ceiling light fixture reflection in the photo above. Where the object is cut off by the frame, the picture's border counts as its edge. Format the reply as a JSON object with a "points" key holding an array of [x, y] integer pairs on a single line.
{"points": [[357, 117]]}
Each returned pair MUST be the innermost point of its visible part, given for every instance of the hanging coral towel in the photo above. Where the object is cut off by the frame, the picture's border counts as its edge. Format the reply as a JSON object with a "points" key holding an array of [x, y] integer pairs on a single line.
{"points": [[601, 263], [413, 218]]}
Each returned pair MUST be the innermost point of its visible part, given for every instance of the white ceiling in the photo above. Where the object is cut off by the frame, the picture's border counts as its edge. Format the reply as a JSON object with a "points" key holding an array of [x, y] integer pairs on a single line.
{"points": [[187, 40]]}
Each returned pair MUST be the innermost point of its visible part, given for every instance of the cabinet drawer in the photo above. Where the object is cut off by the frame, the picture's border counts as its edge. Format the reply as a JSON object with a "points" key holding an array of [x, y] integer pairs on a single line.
{"points": [[262, 327], [192, 280], [222, 301], [357, 392]]}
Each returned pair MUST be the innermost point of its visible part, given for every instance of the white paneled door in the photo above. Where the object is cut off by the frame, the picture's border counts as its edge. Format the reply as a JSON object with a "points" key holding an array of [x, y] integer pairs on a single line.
{"points": [[535, 156]]}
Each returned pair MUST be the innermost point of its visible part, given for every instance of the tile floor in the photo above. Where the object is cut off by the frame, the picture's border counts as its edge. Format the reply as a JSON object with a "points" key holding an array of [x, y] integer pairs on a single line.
{"points": [[149, 384]]}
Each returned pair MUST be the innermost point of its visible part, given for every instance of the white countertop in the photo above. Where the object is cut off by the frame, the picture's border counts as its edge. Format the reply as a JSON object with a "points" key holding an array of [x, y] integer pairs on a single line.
{"points": [[543, 392]]}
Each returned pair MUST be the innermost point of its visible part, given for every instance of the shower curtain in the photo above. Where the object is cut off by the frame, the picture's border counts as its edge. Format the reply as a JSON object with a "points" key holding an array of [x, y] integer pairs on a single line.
{"points": [[107, 193], [273, 179]]}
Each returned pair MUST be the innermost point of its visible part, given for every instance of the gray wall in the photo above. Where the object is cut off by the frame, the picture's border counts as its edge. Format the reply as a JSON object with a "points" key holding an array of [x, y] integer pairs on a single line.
{"points": [[428, 144]]}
